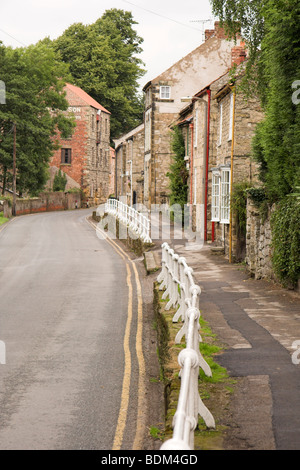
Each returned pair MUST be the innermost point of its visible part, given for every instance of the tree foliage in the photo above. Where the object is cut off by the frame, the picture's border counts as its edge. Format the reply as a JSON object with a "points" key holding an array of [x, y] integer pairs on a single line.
{"points": [[103, 61], [60, 181], [286, 241], [272, 29], [272, 32], [35, 103], [178, 174], [277, 140]]}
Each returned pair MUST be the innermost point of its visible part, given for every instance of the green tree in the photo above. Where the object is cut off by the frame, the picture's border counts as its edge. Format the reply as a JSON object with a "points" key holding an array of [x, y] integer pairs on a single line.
{"points": [[60, 181], [35, 103], [178, 174], [272, 32], [286, 241], [277, 140], [103, 61]]}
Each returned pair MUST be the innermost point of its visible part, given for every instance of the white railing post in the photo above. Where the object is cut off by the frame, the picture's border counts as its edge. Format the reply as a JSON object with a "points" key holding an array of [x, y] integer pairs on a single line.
{"points": [[175, 272], [133, 219]]}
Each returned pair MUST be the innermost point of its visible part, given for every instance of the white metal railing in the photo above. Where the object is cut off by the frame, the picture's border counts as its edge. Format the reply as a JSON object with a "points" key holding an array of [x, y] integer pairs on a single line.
{"points": [[137, 221], [176, 279]]}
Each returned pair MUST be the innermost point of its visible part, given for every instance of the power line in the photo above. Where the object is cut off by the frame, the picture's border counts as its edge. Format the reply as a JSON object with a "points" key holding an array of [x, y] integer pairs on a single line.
{"points": [[162, 16], [2, 30]]}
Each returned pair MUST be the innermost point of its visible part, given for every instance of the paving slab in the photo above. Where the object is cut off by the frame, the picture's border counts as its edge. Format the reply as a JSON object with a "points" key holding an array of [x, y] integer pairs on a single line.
{"points": [[258, 322]]}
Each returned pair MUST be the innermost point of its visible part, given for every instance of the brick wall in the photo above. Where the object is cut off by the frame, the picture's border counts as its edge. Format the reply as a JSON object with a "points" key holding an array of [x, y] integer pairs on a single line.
{"points": [[47, 202], [90, 150]]}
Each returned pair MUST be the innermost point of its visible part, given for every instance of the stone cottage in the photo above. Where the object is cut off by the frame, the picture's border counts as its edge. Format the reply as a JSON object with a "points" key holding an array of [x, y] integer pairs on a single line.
{"points": [[236, 123], [218, 126], [85, 156], [163, 101], [129, 166]]}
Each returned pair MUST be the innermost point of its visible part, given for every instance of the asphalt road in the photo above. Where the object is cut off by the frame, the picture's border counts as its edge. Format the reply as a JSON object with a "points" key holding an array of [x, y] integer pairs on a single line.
{"points": [[64, 306]]}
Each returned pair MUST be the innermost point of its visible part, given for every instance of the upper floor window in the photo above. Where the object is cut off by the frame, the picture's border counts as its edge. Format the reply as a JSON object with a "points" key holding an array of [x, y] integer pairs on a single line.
{"points": [[220, 123], [165, 92], [196, 128], [230, 118]]}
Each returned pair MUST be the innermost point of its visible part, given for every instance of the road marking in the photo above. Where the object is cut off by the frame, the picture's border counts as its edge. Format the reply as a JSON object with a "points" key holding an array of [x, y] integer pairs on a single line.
{"points": [[137, 445], [142, 372], [127, 372]]}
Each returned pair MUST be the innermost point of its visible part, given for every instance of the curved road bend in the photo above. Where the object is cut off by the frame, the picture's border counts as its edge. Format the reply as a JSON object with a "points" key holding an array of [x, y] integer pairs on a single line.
{"points": [[67, 299]]}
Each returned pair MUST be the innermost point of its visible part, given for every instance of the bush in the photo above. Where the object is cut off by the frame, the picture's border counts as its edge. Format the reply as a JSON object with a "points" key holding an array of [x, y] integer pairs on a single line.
{"points": [[285, 223], [60, 181]]}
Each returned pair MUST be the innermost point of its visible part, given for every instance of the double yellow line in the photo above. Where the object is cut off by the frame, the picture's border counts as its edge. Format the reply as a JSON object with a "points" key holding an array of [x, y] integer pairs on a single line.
{"points": [[122, 418]]}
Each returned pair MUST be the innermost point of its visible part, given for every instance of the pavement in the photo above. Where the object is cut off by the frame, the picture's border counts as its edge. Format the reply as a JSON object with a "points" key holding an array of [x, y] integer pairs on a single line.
{"points": [[258, 323]]}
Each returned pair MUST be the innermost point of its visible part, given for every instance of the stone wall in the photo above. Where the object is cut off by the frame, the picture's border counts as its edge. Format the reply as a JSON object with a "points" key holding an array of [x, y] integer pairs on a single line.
{"points": [[258, 244], [130, 148]]}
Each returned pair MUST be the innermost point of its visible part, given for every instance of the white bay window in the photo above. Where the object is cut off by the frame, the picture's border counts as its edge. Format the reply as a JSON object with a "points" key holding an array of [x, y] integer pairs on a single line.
{"points": [[220, 208]]}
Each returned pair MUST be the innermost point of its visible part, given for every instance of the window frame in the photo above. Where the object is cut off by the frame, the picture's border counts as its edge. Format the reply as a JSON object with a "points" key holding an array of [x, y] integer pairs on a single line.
{"points": [[196, 118], [225, 196], [230, 118], [215, 197], [220, 124], [163, 95], [220, 195], [69, 156]]}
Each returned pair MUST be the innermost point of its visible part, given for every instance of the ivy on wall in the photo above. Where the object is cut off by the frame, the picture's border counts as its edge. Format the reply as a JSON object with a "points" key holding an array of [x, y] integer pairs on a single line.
{"points": [[285, 223]]}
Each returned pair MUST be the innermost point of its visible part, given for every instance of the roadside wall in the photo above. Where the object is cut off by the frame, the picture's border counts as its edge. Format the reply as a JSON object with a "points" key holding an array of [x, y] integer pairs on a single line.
{"points": [[57, 201], [258, 244]]}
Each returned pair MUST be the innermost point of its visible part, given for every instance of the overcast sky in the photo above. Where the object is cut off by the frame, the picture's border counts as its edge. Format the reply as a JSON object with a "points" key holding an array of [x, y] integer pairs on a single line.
{"points": [[170, 28]]}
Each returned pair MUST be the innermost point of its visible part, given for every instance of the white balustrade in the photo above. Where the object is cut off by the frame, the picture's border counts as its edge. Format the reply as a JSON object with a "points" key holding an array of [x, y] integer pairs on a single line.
{"points": [[136, 221], [176, 279]]}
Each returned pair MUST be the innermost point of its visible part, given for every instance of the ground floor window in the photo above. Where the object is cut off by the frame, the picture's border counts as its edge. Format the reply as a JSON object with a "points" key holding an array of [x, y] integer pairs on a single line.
{"points": [[66, 156], [220, 206]]}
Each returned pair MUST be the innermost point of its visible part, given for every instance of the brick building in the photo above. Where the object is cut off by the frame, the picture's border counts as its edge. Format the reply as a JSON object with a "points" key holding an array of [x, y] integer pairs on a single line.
{"points": [[129, 179], [85, 156], [163, 97]]}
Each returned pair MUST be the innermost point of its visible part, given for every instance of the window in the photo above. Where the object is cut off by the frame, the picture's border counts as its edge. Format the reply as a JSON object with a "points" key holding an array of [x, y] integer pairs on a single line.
{"points": [[220, 124], [230, 117], [220, 207], [196, 128], [165, 92], [148, 130], [215, 204], [66, 156], [225, 196], [195, 185]]}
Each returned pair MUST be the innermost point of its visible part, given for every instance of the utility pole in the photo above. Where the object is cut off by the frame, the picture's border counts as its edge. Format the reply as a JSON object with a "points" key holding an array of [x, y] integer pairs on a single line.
{"points": [[14, 171]]}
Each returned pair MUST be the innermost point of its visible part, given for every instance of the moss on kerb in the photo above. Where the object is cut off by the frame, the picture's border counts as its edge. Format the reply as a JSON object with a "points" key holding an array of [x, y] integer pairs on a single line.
{"points": [[215, 392]]}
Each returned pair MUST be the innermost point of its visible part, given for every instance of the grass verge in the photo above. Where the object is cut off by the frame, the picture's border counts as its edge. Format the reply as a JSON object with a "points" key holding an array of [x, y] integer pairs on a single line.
{"points": [[2, 219], [215, 391]]}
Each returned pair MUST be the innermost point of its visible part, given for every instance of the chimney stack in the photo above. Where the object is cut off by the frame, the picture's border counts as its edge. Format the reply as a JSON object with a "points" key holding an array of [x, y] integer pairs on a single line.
{"points": [[238, 55]]}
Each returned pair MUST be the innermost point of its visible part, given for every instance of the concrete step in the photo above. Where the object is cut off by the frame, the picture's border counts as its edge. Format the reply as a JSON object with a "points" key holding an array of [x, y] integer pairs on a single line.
{"points": [[152, 261]]}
